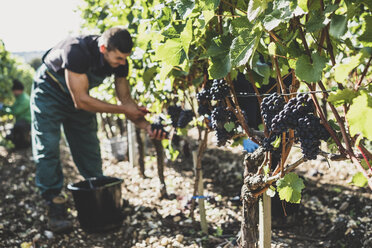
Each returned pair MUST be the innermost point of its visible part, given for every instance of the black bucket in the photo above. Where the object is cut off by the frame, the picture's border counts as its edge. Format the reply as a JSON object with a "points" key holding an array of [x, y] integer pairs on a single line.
{"points": [[98, 203]]}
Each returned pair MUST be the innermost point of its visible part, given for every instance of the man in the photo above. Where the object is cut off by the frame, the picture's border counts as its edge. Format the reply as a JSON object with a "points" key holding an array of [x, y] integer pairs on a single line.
{"points": [[20, 134], [60, 96]]}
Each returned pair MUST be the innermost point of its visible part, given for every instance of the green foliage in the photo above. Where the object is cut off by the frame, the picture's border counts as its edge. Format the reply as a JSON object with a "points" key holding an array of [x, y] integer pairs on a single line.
{"points": [[310, 71], [360, 115], [359, 180], [342, 97], [12, 68], [289, 188]]}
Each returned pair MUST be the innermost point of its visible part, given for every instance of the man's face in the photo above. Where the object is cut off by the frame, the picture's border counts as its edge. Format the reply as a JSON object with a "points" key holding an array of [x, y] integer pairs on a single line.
{"points": [[16, 93], [114, 57]]}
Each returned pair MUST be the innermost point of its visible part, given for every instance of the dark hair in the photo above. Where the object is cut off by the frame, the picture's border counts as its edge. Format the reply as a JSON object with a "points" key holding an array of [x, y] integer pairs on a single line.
{"points": [[117, 38], [17, 85]]}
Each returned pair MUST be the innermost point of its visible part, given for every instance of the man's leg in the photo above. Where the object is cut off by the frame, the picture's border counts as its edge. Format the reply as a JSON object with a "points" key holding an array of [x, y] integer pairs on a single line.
{"points": [[81, 132], [46, 131]]}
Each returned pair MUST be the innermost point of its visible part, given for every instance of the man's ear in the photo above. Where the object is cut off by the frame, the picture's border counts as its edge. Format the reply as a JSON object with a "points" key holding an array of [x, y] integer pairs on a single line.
{"points": [[102, 49]]}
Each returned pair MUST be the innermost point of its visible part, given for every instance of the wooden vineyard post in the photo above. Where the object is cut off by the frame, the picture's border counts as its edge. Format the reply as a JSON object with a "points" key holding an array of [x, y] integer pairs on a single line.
{"points": [[203, 217], [265, 221], [132, 144]]}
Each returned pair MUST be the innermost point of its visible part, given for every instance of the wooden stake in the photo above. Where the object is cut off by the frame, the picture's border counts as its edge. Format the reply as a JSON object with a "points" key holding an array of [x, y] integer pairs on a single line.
{"points": [[203, 218], [265, 221]]}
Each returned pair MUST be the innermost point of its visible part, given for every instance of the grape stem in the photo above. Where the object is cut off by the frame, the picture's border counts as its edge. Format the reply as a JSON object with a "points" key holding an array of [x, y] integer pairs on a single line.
{"points": [[238, 113], [363, 74]]}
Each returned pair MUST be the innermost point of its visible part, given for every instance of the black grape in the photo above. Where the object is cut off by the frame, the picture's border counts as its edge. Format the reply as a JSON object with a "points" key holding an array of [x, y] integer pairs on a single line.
{"points": [[185, 117], [174, 112], [219, 90]]}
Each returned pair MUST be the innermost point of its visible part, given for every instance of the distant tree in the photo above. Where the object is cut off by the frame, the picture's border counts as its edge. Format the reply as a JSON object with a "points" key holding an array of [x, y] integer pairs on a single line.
{"points": [[35, 63]]}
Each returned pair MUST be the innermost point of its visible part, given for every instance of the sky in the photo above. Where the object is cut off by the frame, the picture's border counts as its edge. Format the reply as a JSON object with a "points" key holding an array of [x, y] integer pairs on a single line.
{"points": [[37, 25]]}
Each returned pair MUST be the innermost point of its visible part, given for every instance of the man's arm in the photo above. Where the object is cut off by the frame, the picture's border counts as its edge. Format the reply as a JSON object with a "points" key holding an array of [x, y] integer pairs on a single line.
{"points": [[78, 86], [123, 94]]}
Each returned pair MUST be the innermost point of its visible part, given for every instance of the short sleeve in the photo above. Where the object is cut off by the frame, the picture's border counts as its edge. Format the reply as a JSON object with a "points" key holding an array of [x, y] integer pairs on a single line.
{"points": [[76, 60], [121, 71]]}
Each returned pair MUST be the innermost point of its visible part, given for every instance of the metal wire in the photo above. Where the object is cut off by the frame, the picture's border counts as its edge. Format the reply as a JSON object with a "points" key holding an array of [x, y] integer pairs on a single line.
{"points": [[246, 94]]}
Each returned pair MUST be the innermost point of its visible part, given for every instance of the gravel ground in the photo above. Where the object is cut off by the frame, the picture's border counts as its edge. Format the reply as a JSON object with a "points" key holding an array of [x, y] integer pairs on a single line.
{"points": [[332, 212]]}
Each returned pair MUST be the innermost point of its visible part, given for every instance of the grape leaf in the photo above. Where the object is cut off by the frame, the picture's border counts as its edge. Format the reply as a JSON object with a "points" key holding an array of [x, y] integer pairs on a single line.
{"points": [[343, 69], [282, 12], [186, 36], [316, 21], [208, 7], [366, 37], [220, 66], [289, 188], [359, 180], [338, 26], [303, 5], [184, 7], [229, 126], [171, 52], [342, 96], [219, 46], [272, 48], [240, 25], [256, 8], [243, 48], [360, 115], [310, 72]]}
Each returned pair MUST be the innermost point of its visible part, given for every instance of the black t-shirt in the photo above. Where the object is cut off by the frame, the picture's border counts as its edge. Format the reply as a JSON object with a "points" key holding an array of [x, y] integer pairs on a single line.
{"points": [[81, 54]]}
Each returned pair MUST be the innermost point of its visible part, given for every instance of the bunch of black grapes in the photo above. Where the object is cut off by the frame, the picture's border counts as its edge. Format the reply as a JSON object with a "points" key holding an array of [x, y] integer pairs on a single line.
{"points": [[157, 125], [292, 111], [297, 114], [309, 133], [180, 117], [219, 117], [185, 117], [270, 107], [174, 112], [203, 98], [219, 90]]}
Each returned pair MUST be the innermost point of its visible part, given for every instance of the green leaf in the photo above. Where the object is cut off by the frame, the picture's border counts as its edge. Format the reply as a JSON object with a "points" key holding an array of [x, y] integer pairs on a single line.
{"points": [[208, 7], [289, 188], [342, 96], [256, 8], [272, 48], [316, 22], [184, 7], [360, 115], [171, 52], [310, 72], [186, 36], [359, 180], [240, 25], [338, 26], [263, 70], [219, 46], [276, 142], [282, 11], [343, 69], [149, 74], [243, 48], [366, 37], [220, 66], [303, 5], [229, 126]]}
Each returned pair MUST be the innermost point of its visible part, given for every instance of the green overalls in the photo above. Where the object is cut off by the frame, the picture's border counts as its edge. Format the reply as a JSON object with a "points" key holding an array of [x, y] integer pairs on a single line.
{"points": [[51, 107]]}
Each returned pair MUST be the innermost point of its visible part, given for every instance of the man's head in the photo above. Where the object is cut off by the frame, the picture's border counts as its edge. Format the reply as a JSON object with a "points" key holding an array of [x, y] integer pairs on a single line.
{"points": [[17, 88], [115, 44]]}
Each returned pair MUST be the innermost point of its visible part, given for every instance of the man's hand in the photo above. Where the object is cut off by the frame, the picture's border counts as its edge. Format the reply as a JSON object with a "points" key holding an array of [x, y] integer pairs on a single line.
{"points": [[134, 113]]}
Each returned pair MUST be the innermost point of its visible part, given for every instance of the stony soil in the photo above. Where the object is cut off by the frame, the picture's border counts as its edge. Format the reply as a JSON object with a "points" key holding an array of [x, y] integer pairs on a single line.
{"points": [[332, 213]]}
